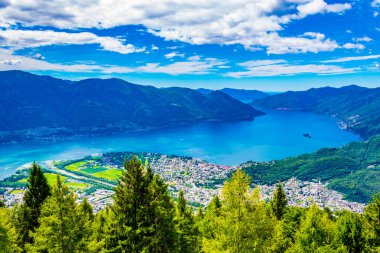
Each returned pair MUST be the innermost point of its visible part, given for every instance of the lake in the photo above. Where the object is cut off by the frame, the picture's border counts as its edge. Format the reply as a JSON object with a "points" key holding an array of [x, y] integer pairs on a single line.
{"points": [[278, 134]]}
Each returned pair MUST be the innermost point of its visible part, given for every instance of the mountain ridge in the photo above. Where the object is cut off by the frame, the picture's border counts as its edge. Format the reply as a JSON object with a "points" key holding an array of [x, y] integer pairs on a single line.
{"points": [[32, 105], [356, 108]]}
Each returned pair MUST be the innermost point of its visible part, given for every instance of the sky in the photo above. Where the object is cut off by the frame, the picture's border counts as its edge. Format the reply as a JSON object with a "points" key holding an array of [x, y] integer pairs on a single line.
{"points": [[269, 45]]}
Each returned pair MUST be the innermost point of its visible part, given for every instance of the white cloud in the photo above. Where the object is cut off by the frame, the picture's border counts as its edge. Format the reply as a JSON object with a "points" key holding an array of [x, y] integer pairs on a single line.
{"points": [[353, 58], [283, 68], [353, 46], [173, 55], [363, 39], [10, 62], [246, 22], [18, 39], [320, 6], [310, 42], [375, 3], [194, 66]]}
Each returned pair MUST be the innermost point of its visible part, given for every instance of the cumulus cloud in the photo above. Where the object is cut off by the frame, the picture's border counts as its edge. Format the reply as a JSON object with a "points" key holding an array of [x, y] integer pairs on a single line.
{"points": [[173, 55], [354, 58], [18, 39], [320, 6], [248, 22], [353, 46], [363, 39], [283, 68]]}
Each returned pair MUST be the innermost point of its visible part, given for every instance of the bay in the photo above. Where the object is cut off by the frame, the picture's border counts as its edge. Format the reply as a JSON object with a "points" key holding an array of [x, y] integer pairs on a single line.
{"points": [[277, 135]]}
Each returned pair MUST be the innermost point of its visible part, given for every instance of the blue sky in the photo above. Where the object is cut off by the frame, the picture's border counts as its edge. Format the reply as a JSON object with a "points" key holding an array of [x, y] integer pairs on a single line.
{"points": [[271, 45]]}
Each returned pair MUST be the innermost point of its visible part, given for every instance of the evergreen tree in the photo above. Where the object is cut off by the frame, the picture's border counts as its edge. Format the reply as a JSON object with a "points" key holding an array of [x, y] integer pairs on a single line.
{"points": [[8, 236], [316, 232], [208, 225], [143, 212], [63, 226], [372, 222], [162, 237], [243, 224], [187, 232], [37, 191], [349, 232], [279, 202]]}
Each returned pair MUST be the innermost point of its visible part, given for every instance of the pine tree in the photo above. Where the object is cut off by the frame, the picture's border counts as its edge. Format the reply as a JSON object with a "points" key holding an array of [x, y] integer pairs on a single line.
{"points": [[208, 225], [316, 232], [37, 191], [279, 202], [8, 236], [243, 224], [161, 209], [187, 233], [372, 222], [349, 232], [142, 212], [63, 226]]}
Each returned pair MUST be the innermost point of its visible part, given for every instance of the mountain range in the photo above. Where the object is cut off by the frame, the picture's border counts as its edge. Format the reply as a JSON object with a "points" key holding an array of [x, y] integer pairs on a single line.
{"points": [[33, 106], [239, 94], [356, 108]]}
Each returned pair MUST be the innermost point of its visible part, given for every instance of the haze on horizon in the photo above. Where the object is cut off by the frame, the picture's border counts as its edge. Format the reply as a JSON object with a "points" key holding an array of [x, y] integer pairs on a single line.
{"points": [[268, 45]]}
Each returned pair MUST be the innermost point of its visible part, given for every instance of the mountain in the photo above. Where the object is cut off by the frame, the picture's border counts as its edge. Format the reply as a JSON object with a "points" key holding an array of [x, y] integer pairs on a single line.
{"points": [[239, 94], [34, 106], [356, 108], [353, 169]]}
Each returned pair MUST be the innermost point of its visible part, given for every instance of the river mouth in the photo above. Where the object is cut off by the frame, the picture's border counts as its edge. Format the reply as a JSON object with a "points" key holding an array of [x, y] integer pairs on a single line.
{"points": [[276, 135]]}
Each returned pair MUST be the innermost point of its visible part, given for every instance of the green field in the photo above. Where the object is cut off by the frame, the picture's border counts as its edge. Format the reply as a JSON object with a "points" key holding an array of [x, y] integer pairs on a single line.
{"points": [[17, 191], [75, 166], [110, 174], [76, 185], [93, 170]]}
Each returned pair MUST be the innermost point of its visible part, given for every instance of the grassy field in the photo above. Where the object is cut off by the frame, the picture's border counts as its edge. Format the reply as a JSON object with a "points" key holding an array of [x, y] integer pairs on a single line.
{"points": [[76, 185], [75, 166], [110, 174], [93, 170], [17, 191]]}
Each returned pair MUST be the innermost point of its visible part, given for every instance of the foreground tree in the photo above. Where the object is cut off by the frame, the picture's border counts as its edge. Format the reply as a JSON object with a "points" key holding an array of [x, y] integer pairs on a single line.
{"points": [[29, 211], [8, 236], [372, 222], [279, 202], [349, 232], [316, 232], [142, 212], [187, 232], [63, 224], [243, 224]]}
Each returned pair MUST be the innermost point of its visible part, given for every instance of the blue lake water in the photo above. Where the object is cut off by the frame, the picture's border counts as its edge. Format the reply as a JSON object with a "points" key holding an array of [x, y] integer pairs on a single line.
{"points": [[276, 135]]}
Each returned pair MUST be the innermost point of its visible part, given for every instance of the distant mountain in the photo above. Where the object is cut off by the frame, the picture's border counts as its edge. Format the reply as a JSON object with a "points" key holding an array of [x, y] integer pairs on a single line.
{"points": [[239, 94], [33, 106], [356, 108], [353, 169]]}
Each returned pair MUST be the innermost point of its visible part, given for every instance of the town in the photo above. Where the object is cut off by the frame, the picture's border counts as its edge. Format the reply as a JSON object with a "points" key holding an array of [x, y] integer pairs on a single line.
{"points": [[93, 178]]}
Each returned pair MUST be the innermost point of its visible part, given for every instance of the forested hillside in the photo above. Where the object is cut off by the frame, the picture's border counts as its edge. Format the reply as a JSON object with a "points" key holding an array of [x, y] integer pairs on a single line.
{"points": [[357, 108], [353, 169], [41, 106]]}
